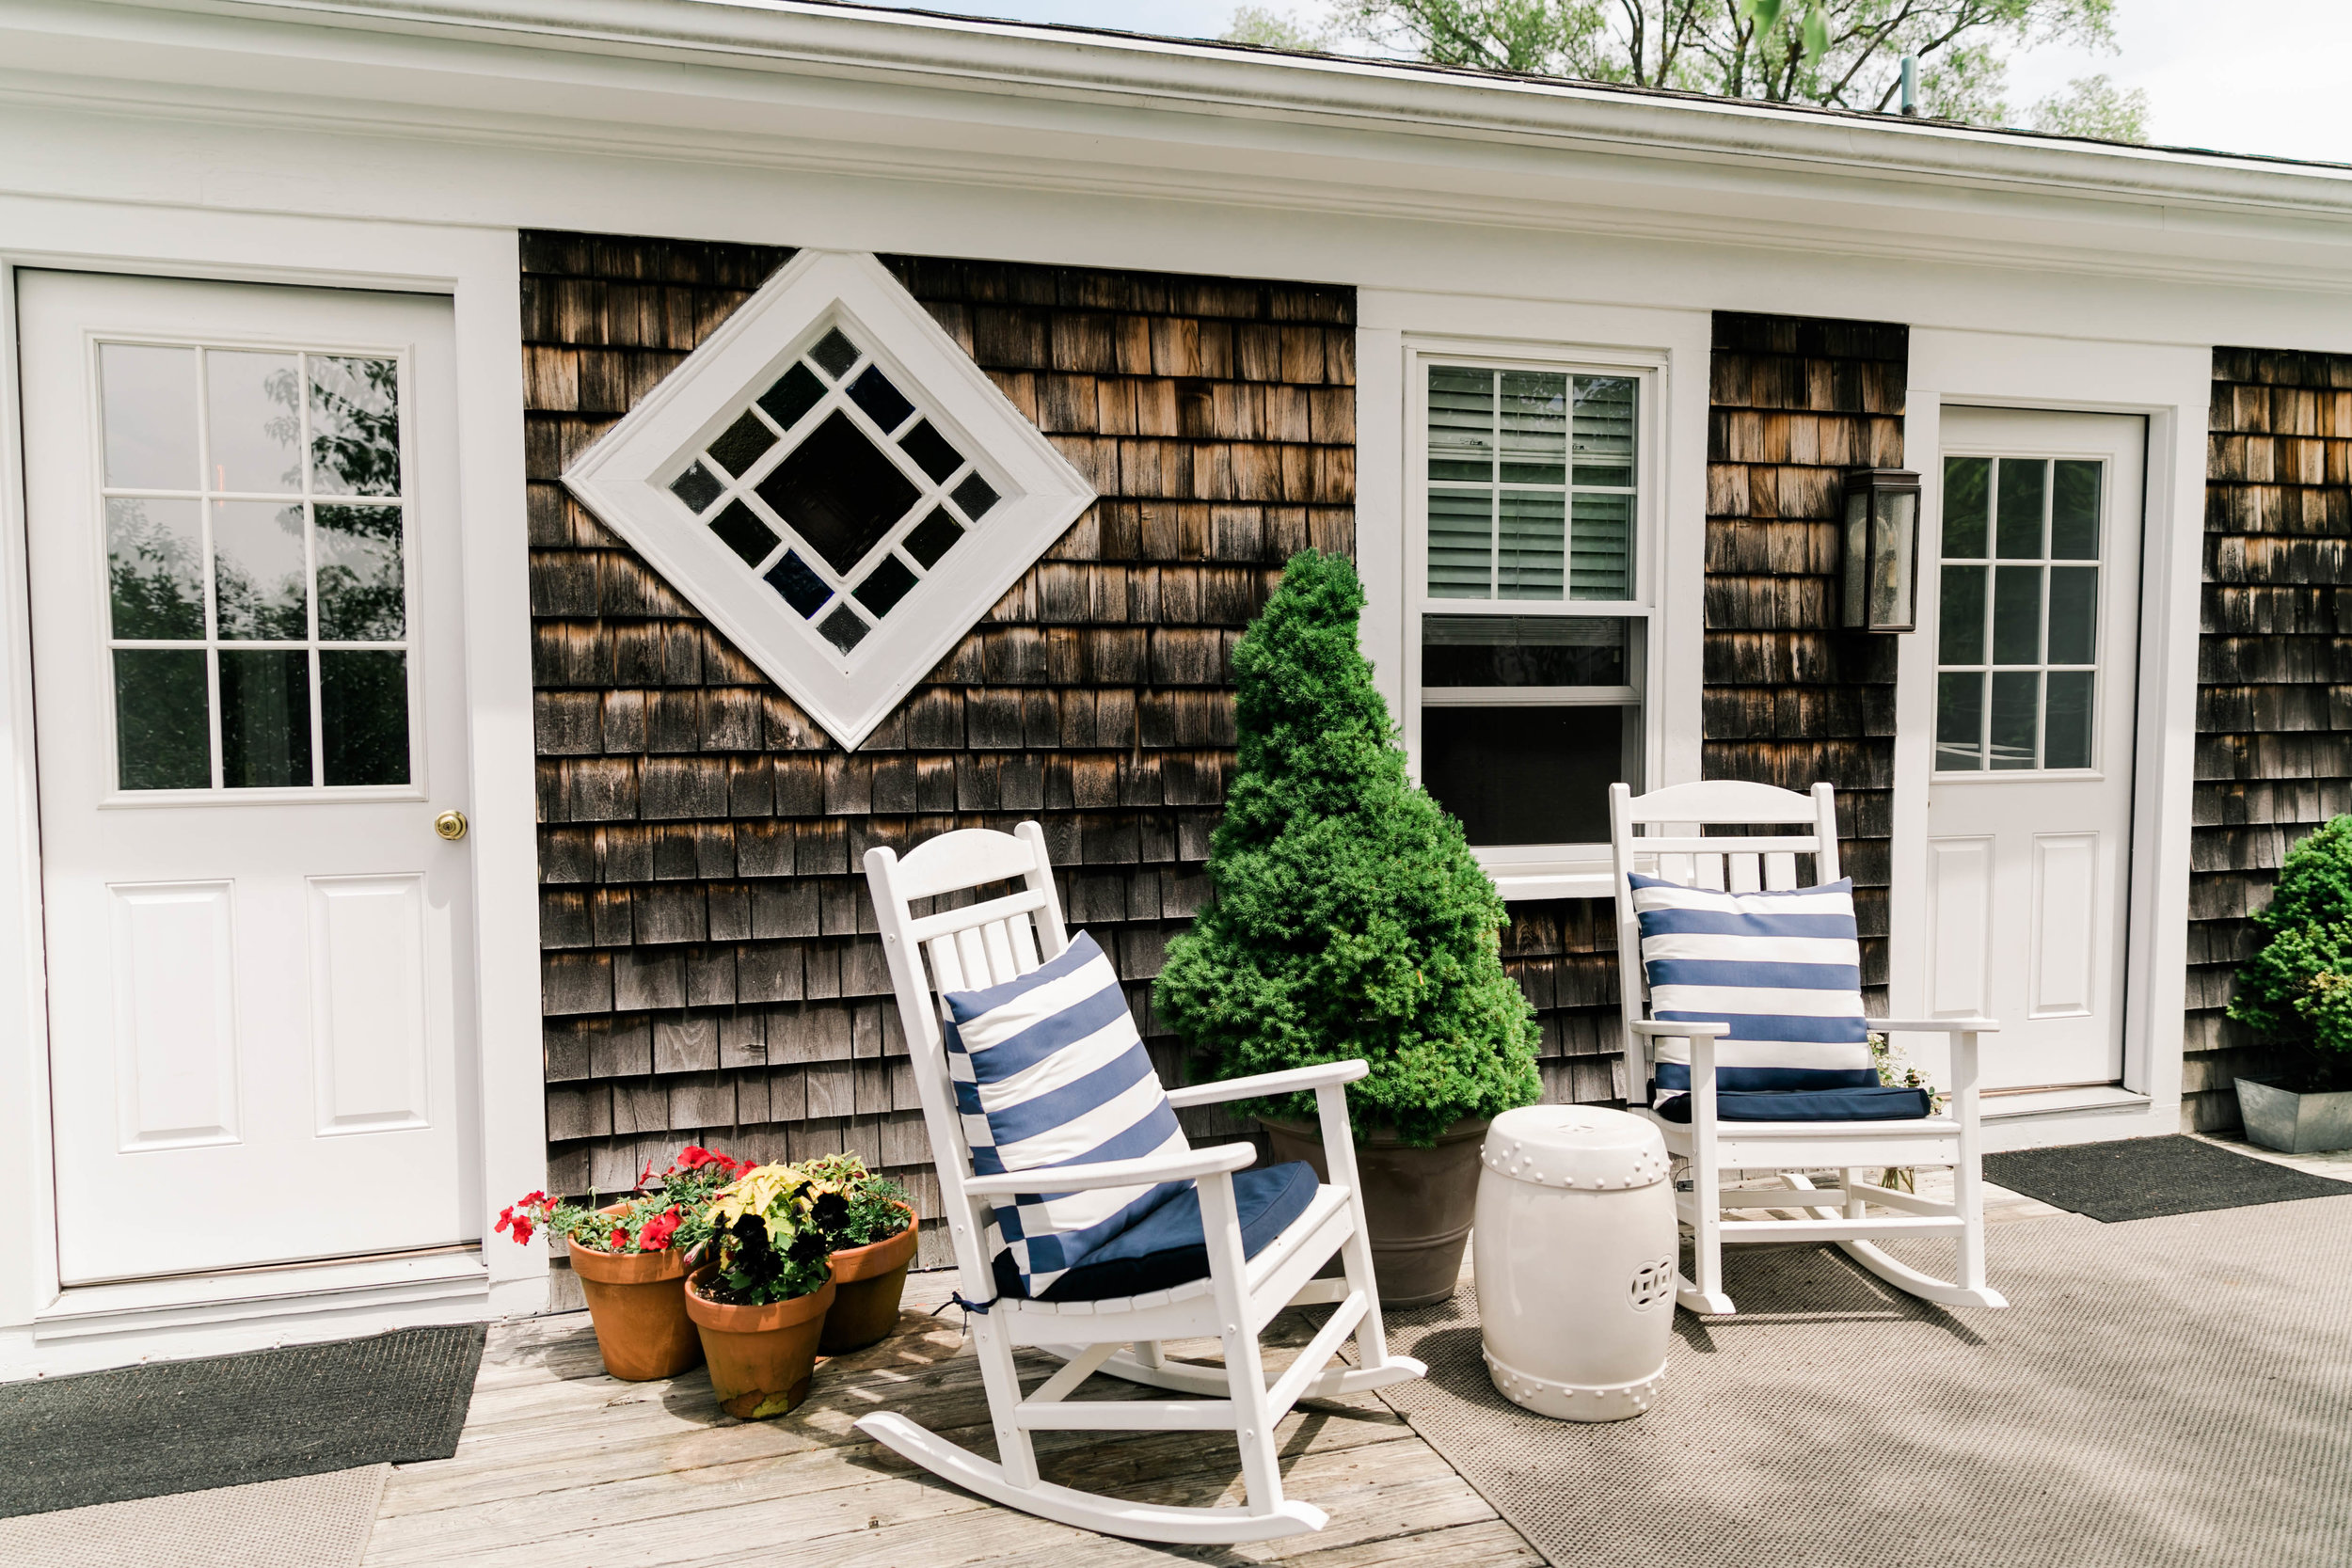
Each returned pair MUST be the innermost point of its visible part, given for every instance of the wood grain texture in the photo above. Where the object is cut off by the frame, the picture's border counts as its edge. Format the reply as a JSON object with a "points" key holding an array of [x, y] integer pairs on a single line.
{"points": [[2274, 676], [559, 1464]]}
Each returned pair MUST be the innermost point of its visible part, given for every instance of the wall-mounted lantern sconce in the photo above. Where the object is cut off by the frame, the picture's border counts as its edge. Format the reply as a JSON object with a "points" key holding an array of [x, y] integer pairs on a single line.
{"points": [[1877, 590]]}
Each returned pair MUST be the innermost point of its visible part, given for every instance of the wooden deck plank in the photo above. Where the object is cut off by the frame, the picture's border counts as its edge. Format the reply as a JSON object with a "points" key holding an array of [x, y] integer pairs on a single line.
{"points": [[562, 1466]]}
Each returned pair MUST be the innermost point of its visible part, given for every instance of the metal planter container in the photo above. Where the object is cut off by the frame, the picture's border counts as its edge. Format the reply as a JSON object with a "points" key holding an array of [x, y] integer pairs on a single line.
{"points": [[2295, 1123]]}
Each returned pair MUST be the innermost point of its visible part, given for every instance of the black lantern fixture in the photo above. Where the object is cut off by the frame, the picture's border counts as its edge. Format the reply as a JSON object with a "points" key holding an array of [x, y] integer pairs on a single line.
{"points": [[1878, 588]]}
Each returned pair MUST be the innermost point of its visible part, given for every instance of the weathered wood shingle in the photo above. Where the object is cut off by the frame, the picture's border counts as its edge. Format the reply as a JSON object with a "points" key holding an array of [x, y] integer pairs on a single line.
{"points": [[709, 966], [1790, 699], [2274, 677]]}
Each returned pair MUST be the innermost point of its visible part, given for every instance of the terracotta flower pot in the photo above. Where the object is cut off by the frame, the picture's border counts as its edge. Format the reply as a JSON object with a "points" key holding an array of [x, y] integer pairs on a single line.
{"points": [[760, 1357], [637, 1301], [1418, 1203], [870, 1280]]}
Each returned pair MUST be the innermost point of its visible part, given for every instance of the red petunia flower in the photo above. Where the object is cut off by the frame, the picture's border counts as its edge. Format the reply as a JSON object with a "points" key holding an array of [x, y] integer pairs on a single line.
{"points": [[656, 1236], [619, 1239]]}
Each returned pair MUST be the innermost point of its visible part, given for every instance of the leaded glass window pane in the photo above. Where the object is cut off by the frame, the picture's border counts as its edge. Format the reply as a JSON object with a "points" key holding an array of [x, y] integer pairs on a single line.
{"points": [[837, 483], [2018, 618], [256, 537], [1530, 484]]}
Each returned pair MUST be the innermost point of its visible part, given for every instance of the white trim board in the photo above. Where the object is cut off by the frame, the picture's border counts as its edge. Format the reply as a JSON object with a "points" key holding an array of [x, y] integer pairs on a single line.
{"points": [[478, 269]]}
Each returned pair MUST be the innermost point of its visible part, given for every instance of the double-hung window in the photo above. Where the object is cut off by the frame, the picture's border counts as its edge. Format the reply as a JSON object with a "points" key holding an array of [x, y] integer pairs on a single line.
{"points": [[1528, 601]]}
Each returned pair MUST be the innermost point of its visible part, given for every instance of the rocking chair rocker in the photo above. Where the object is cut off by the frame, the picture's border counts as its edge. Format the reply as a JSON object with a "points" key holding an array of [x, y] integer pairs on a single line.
{"points": [[998, 940]]}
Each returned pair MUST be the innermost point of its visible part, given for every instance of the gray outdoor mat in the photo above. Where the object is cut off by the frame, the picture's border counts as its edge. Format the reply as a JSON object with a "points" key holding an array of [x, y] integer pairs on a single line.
{"points": [[230, 1420], [305, 1522], [2139, 1179], [2177, 1392]]}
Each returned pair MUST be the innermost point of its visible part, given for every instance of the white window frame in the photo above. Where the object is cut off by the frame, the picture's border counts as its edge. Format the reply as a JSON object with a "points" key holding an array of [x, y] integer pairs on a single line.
{"points": [[1398, 331], [1541, 869]]}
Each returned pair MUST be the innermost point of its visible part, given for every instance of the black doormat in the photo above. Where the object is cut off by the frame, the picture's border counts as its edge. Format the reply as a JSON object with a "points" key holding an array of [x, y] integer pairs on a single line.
{"points": [[2141, 1179], [188, 1425]]}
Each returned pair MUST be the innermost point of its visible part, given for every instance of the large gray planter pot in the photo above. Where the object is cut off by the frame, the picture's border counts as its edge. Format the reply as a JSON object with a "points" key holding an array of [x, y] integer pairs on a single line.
{"points": [[2295, 1123], [1418, 1202]]}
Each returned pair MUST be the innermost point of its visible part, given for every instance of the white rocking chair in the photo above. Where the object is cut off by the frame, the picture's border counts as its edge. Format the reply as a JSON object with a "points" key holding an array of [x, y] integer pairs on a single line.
{"points": [[1676, 848], [996, 940]]}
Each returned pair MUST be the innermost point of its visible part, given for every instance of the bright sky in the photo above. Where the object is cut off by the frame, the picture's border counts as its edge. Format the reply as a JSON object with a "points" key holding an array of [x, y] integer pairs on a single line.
{"points": [[2250, 76]]}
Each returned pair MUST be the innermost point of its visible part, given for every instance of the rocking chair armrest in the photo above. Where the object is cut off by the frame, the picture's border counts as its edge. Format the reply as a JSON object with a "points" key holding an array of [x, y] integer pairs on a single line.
{"points": [[1190, 1164], [1656, 1029], [1296, 1080], [1933, 1025]]}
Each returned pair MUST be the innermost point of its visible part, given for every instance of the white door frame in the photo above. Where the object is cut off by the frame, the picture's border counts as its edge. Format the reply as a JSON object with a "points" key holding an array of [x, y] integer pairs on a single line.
{"points": [[45, 1328], [2171, 386]]}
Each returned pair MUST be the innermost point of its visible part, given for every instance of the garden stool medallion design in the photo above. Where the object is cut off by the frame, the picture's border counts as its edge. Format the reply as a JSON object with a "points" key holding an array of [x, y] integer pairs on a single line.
{"points": [[1574, 1254]]}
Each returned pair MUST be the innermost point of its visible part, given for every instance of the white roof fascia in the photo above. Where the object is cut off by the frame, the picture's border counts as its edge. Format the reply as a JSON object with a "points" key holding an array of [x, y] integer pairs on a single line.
{"points": [[894, 95], [1028, 59]]}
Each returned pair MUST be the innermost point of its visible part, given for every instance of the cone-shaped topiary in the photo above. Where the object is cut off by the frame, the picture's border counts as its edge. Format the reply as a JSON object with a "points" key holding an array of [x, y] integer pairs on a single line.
{"points": [[2297, 992], [1350, 918]]}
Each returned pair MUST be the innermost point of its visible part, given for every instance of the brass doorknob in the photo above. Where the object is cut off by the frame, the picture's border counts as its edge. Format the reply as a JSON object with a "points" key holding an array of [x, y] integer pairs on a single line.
{"points": [[451, 825]]}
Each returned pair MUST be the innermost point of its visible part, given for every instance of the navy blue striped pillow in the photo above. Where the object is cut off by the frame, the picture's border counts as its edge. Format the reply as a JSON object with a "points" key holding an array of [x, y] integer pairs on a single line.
{"points": [[1783, 970], [1049, 1070]]}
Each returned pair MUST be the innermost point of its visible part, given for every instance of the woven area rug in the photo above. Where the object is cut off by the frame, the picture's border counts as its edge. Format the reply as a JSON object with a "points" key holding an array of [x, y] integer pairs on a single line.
{"points": [[2139, 1179], [2169, 1392], [308, 1522], [231, 1420]]}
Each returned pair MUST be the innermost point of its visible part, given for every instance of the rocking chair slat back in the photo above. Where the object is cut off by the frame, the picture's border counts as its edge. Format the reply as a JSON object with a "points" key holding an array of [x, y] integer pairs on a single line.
{"points": [[1663, 834], [985, 942]]}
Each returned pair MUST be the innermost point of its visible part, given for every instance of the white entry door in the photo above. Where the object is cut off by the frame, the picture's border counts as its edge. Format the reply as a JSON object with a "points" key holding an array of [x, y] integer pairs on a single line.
{"points": [[249, 696], [2030, 809]]}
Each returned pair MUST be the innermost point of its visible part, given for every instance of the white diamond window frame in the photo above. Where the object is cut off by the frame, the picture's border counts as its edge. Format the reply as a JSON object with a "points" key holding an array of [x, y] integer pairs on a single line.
{"points": [[624, 481]]}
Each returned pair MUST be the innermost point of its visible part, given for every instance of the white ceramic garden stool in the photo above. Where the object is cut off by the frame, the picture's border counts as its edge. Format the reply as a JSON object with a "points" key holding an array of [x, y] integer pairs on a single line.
{"points": [[1575, 1250]]}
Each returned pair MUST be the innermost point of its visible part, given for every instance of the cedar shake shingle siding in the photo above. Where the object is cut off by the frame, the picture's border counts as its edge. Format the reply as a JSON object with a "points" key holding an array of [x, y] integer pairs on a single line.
{"points": [[1790, 699], [709, 970], [2274, 676]]}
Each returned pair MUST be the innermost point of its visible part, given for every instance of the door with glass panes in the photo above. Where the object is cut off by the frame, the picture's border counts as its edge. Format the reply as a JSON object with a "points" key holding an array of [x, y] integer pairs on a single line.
{"points": [[2036, 666], [250, 700]]}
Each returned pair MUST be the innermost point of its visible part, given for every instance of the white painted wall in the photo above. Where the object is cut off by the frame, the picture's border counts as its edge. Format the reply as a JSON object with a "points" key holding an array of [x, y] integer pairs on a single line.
{"points": [[294, 143]]}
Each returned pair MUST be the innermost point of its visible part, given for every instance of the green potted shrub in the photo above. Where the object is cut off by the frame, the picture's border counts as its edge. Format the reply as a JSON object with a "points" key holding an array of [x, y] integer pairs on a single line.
{"points": [[631, 1261], [759, 1300], [869, 1245], [2296, 995], [1351, 920]]}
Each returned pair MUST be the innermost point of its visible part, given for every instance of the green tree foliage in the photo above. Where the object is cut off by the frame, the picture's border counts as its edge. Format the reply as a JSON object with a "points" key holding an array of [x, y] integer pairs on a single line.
{"points": [[1271, 29], [2094, 106], [1846, 53], [2297, 992], [1350, 917]]}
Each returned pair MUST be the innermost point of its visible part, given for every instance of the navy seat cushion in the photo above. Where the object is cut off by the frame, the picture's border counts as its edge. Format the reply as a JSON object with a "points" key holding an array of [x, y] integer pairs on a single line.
{"points": [[1164, 1247], [1883, 1103]]}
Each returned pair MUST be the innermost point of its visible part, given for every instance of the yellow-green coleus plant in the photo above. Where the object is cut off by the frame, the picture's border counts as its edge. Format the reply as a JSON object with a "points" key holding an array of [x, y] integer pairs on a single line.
{"points": [[770, 1230]]}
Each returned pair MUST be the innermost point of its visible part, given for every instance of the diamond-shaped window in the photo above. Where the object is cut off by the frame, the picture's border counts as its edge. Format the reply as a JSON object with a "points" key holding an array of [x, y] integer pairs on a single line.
{"points": [[834, 483], [838, 493]]}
